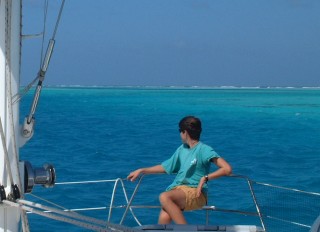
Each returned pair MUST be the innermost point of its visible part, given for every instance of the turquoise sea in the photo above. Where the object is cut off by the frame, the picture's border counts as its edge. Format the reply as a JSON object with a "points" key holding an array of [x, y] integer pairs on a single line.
{"points": [[270, 135]]}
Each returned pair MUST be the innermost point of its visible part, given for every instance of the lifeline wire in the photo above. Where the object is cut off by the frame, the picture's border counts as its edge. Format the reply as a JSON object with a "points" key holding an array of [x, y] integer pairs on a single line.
{"points": [[69, 217]]}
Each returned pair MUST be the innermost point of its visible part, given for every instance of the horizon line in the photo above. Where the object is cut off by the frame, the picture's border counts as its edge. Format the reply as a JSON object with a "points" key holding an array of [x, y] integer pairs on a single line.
{"points": [[180, 87]]}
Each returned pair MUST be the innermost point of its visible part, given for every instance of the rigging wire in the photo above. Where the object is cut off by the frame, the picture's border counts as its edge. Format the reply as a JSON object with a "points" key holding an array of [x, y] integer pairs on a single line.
{"points": [[44, 62], [45, 200], [28, 125], [17, 97], [58, 20], [45, 13]]}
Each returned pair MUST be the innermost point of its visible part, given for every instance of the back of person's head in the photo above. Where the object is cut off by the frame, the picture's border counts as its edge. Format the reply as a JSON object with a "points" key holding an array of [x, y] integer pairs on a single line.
{"points": [[192, 125]]}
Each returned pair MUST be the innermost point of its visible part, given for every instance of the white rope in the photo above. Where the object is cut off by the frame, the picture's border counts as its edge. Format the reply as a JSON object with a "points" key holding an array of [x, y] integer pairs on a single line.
{"points": [[45, 200], [13, 143], [6, 155], [7, 77], [10, 112]]}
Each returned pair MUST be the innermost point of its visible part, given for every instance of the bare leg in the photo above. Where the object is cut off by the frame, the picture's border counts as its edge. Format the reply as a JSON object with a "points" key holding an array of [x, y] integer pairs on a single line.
{"points": [[172, 203], [164, 218]]}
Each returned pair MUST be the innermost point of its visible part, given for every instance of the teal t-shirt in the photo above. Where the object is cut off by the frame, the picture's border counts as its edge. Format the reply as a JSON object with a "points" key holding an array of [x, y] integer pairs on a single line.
{"points": [[190, 164]]}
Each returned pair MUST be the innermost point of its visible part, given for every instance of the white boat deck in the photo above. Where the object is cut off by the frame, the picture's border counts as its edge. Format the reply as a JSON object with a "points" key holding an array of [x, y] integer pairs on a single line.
{"points": [[181, 228], [271, 216]]}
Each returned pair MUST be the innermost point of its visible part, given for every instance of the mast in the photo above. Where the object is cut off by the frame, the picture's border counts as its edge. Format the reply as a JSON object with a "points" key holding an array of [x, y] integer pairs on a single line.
{"points": [[10, 51], [16, 177]]}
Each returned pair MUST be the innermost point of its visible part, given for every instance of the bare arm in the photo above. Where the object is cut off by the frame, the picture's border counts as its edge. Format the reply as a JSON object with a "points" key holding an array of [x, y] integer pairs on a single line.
{"points": [[151, 170], [224, 169]]}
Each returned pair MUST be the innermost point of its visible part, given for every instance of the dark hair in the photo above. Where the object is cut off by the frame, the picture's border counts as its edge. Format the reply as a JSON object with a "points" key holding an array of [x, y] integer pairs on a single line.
{"points": [[192, 125]]}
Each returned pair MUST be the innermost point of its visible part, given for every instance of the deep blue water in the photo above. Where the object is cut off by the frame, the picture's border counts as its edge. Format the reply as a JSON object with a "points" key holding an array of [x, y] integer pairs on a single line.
{"points": [[270, 135]]}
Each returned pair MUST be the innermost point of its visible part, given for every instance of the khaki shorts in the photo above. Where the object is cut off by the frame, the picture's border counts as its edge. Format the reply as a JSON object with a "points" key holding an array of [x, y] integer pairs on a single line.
{"points": [[192, 201]]}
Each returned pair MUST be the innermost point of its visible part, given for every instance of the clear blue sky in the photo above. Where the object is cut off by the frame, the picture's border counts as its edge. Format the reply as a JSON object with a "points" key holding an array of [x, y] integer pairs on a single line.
{"points": [[178, 42]]}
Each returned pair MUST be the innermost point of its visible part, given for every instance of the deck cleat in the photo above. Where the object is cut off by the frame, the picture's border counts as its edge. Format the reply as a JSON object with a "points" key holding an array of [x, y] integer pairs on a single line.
{"points": [[15, 192], [2, 193]]}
